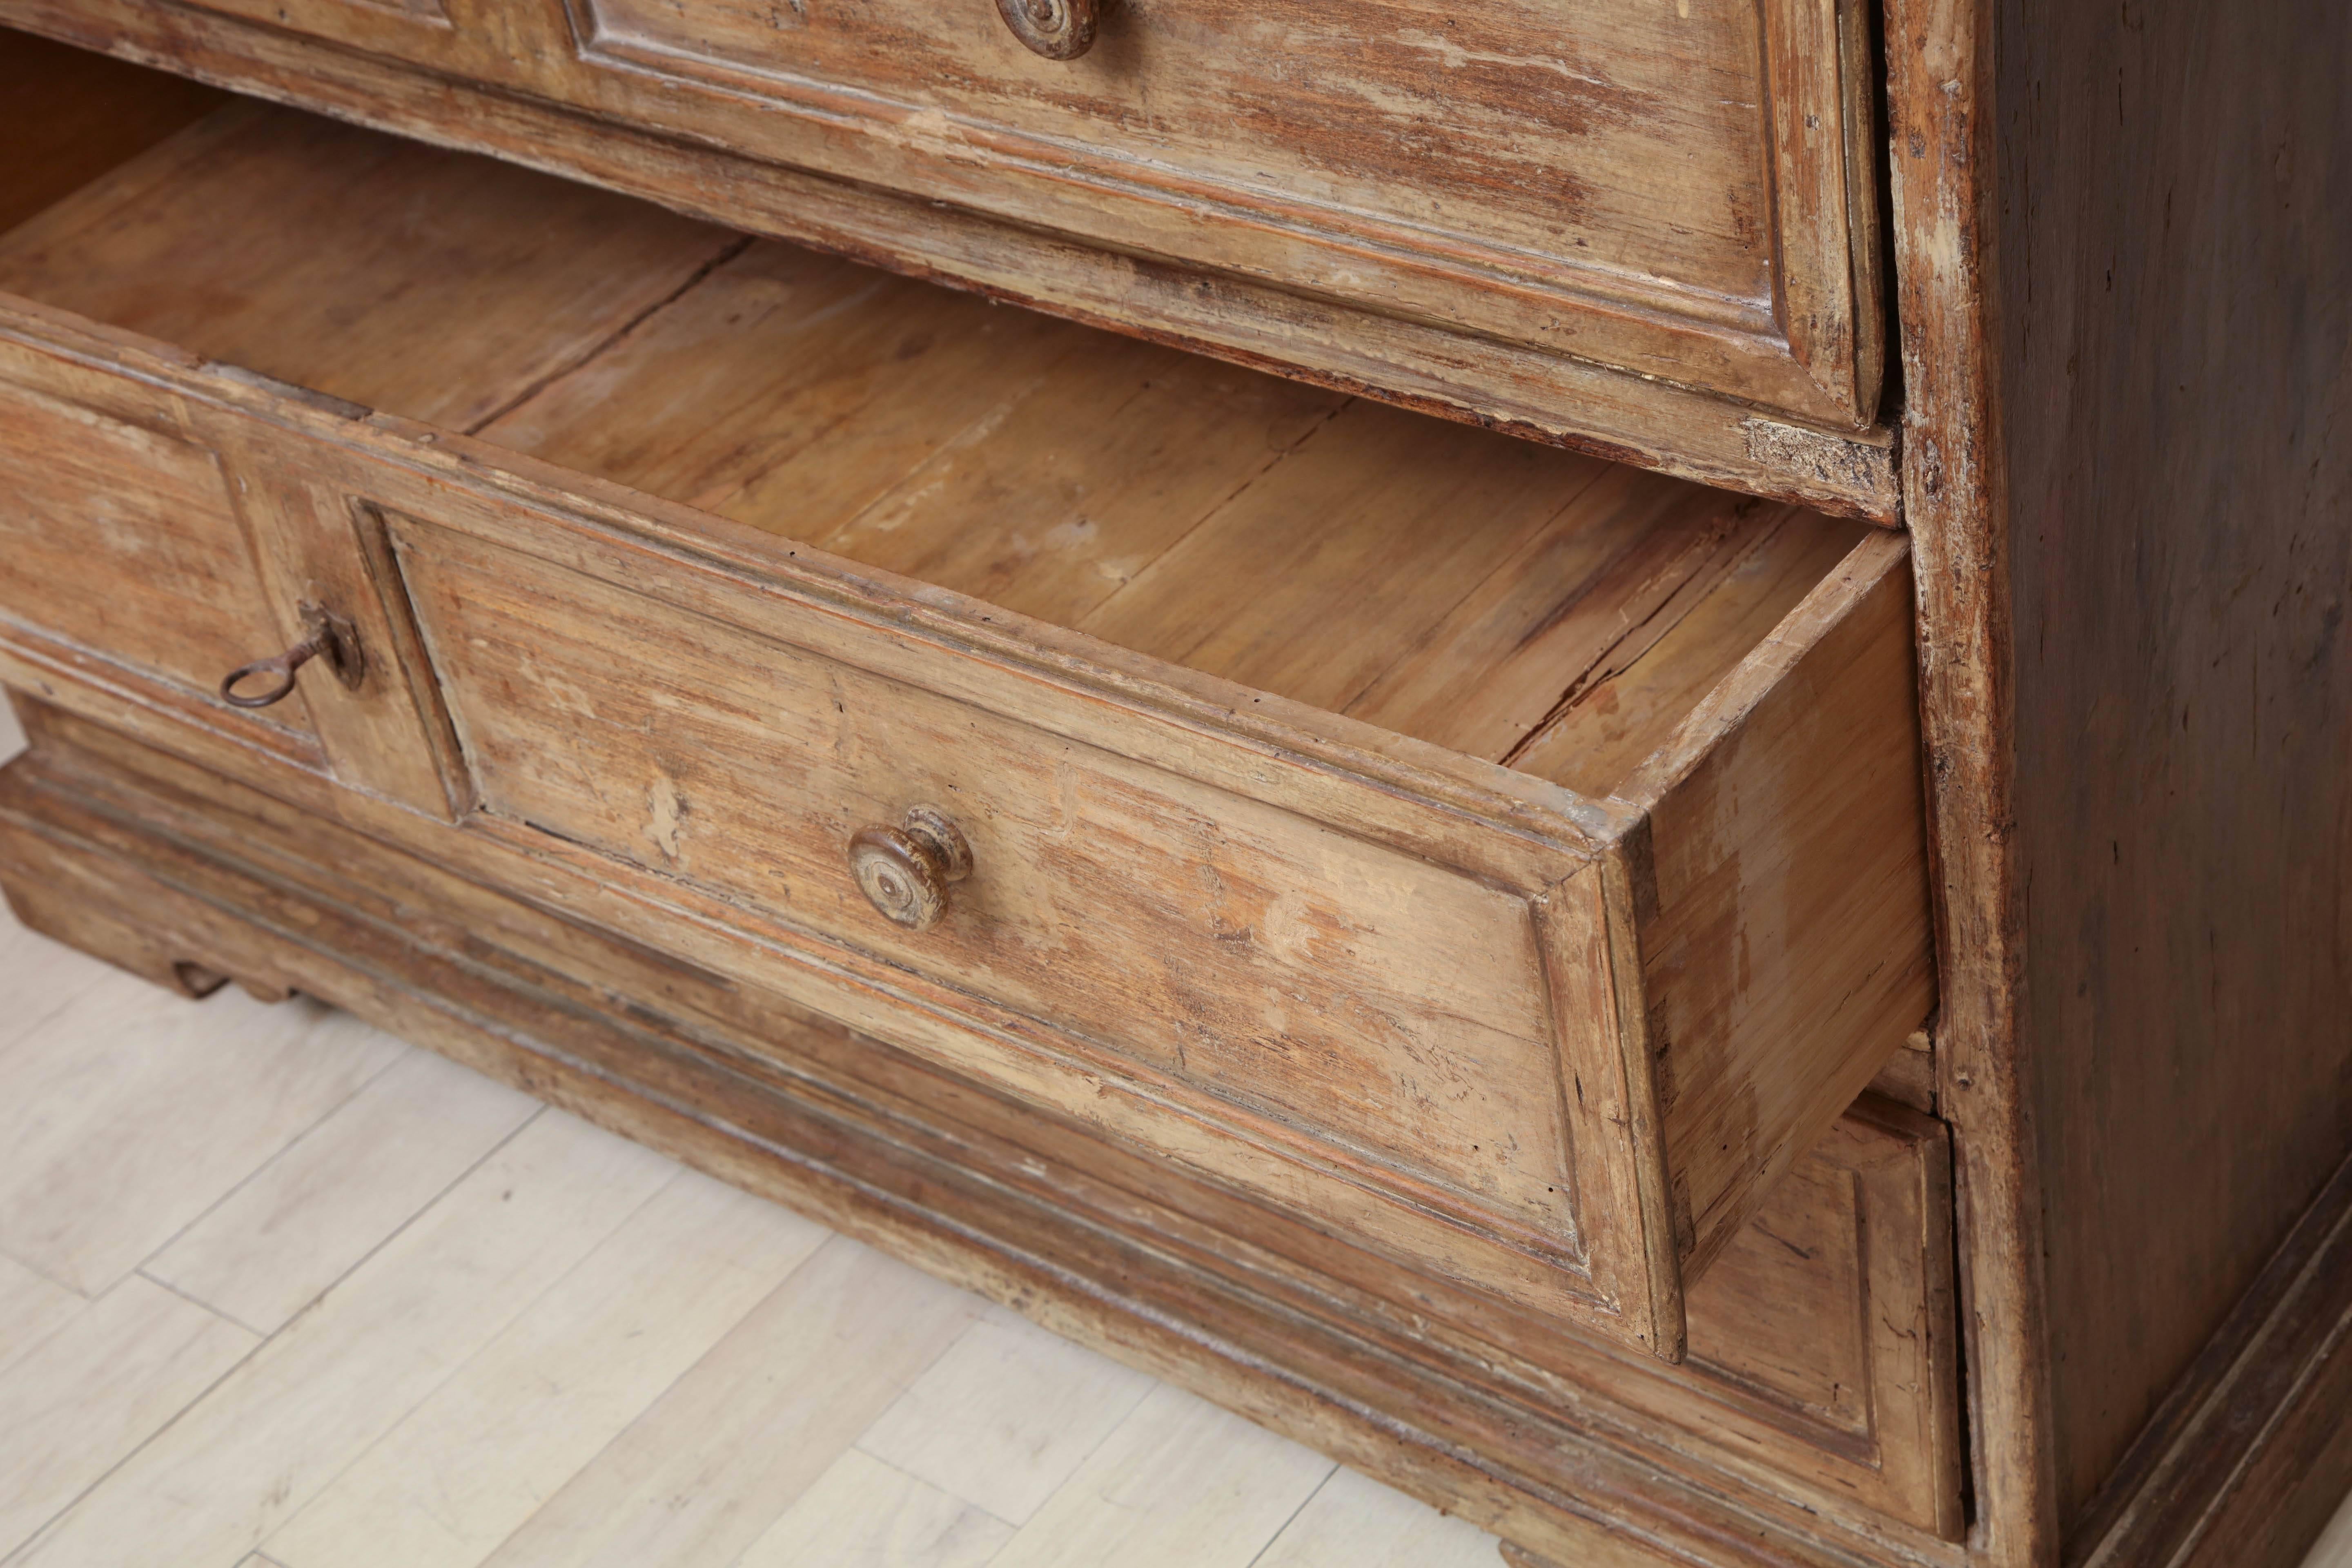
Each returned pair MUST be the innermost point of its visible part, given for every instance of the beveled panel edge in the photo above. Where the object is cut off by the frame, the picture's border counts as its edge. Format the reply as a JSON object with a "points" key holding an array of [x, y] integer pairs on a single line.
{"points": [[1819, 71]]}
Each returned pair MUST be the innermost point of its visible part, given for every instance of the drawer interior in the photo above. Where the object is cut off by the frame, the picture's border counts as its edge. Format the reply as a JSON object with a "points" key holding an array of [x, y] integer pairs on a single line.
{"points": [[73, 115], [1540, 608]]}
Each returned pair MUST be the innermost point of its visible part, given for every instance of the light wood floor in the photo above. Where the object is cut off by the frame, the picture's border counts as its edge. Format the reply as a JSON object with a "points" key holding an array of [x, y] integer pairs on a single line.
{"points": [[280, 1291]]}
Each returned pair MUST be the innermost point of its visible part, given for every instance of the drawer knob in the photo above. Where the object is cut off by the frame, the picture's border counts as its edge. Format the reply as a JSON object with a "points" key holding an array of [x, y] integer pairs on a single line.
{"points": [[905, 871], [1057, 29], [332, 637]]}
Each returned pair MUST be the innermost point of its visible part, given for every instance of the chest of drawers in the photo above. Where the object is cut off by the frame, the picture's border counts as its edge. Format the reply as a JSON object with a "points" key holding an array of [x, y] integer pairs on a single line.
{"points": [[1427, 932]]}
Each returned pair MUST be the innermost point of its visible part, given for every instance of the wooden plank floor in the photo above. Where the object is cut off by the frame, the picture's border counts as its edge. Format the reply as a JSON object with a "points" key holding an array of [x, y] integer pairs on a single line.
{"points": [[277, 1291]]}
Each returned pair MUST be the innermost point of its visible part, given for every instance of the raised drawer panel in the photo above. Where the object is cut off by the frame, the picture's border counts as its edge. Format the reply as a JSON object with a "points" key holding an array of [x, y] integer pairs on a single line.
{"points": [[1664, 187], [1594, 158], [1362, 996], [1270, 974]]}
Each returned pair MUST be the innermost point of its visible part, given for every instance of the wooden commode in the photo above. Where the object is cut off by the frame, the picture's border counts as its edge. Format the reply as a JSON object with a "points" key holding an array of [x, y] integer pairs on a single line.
{"points": [[1329, 693]]}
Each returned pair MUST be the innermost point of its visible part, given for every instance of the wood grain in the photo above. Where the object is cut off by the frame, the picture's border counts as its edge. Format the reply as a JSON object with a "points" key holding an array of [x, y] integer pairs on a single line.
{"points": [[1629, 198], [1230, 956], [1119, 489], [1676, 985], [2174, 331], [1029, 462], [387, 274], [1590, 593], [1948, 182], [1791, 785], [1628, 702], [962, 468], [1374, 530], [122, 534], [1878, 1180], [2173, 602]]}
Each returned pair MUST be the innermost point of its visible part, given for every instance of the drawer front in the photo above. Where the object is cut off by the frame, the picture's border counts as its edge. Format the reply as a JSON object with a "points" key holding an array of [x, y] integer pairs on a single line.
{"points": [[151, 543], [1305, 996], [1822, 1363], [1541, 169], [121, 536], [1649, 229]]}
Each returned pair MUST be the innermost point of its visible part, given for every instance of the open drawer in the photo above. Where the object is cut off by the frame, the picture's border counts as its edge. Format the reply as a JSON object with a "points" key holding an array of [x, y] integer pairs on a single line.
{"points": [[1511, 861]]}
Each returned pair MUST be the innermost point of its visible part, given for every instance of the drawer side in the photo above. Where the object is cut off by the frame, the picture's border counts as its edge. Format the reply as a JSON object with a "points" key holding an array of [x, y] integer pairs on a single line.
{"points": [[1782, 907]]}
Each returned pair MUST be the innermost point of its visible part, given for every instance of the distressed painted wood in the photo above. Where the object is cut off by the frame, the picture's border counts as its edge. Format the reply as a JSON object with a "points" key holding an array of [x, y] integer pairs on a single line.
{"points": [[1666, 192], [1736, 379], [123, 535], [1946, 188], [1210, 949]]}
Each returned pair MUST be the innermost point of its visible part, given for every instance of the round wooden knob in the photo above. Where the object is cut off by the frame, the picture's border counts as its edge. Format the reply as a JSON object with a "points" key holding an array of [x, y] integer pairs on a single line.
{"points": [[905, 871], [1057, 29]]}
